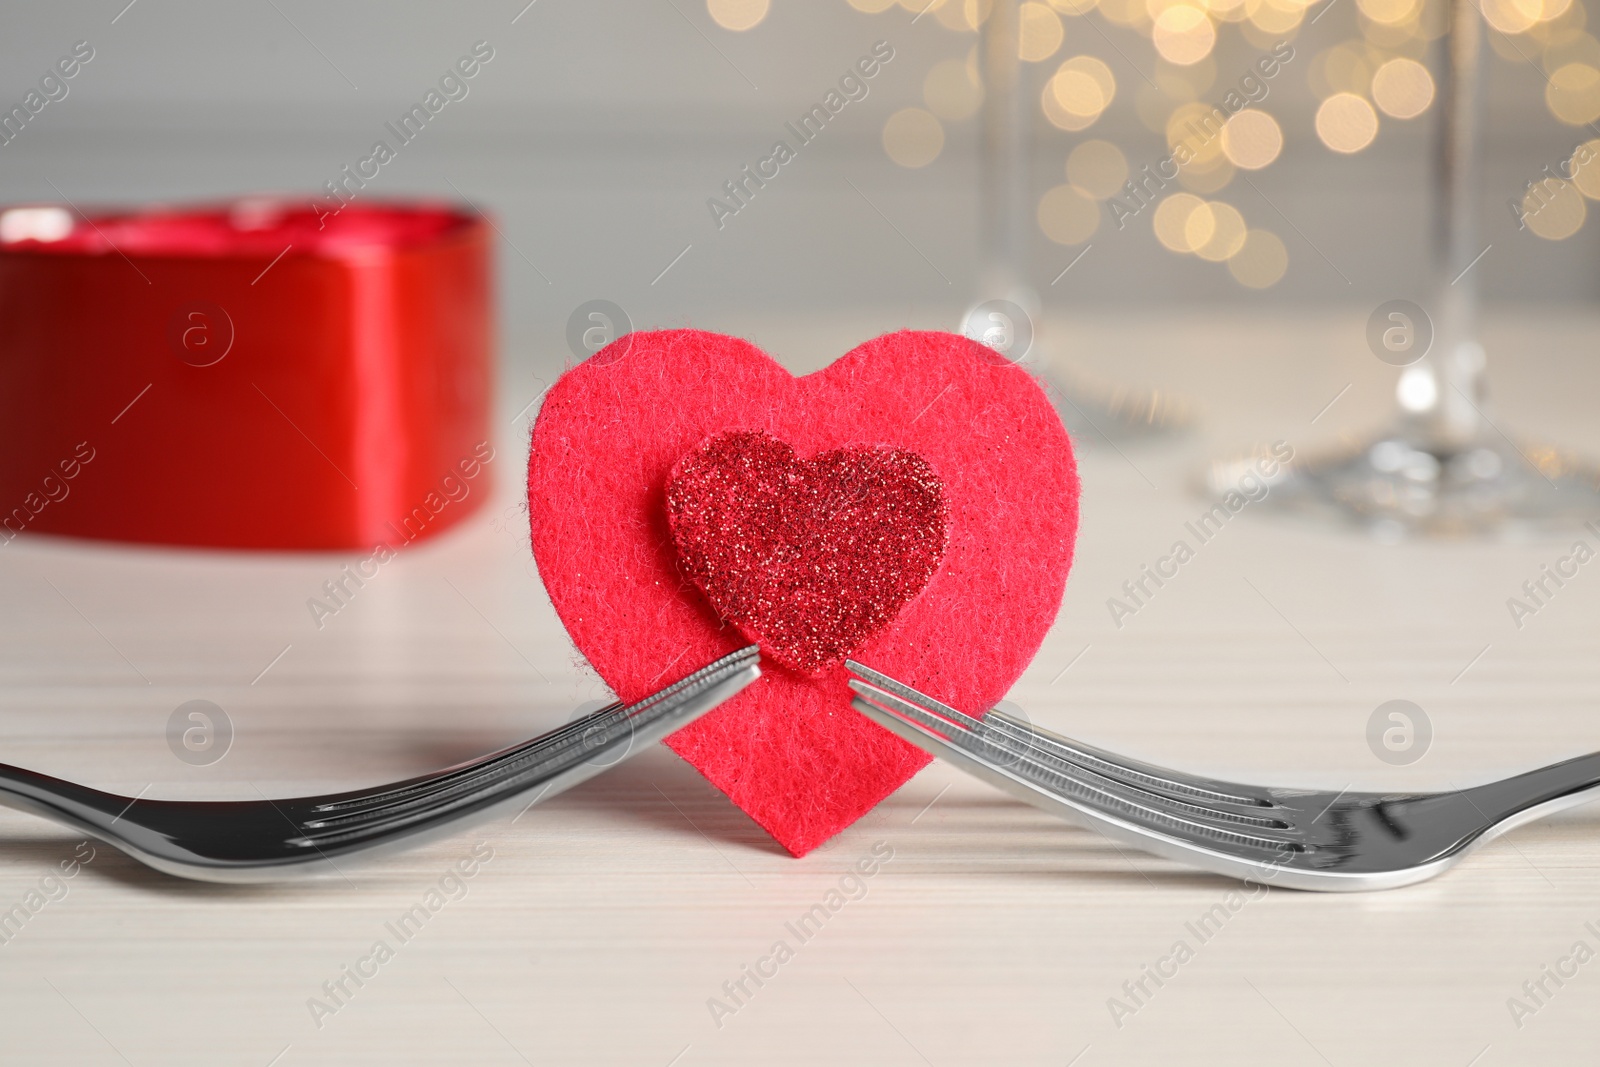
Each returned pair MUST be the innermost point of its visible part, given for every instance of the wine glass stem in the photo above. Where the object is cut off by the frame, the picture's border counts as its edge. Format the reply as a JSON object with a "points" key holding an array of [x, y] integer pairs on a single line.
{"points": [[1454, 415], [1003, 163]]}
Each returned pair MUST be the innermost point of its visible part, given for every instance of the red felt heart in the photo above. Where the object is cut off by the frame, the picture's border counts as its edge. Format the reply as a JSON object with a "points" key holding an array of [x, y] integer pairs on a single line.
{"points": [[789, 750], [808, 557]]}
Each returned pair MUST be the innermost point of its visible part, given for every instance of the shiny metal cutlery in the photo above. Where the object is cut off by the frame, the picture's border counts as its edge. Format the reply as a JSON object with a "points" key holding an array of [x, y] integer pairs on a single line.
{"points": [[1296, 838], [272, 840]]}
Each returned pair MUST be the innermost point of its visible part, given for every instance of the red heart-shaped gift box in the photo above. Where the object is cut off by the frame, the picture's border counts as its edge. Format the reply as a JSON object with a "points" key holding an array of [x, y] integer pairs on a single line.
{"points": [[243, 376]]}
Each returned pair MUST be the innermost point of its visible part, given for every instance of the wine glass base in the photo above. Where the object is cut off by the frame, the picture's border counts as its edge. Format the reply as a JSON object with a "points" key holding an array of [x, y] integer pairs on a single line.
{"points": [[1400, 486]]}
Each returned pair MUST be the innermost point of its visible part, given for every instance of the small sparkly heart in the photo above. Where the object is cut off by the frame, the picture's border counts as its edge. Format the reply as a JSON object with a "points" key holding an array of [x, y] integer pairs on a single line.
{"points": [[809, 558]]}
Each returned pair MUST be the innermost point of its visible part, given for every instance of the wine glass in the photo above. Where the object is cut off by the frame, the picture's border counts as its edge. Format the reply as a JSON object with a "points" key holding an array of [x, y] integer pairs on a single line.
{"points": [[1443, 468], [1008, 318]]}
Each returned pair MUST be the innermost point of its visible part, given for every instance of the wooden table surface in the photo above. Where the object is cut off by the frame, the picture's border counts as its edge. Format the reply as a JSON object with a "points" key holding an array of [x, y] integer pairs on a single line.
{"points": [[603, 925]]}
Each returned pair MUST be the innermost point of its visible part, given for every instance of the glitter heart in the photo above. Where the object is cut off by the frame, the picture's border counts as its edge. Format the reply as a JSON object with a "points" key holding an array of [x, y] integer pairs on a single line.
{"points": [[810, 558]]}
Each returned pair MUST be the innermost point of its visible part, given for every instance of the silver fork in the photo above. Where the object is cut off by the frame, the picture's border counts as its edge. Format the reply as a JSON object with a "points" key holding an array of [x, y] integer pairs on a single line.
{"points": [[1297, 838], [270, 840]]}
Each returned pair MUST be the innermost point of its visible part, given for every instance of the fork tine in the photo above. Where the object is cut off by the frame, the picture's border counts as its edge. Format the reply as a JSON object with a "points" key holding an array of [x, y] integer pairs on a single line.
{"points": [[465, 770], [485, 766], [573, 747], [529, 762], [1048, 768], [1059, 779], [887, 684], [551, 766], [1144, 776], [1051, 772]]}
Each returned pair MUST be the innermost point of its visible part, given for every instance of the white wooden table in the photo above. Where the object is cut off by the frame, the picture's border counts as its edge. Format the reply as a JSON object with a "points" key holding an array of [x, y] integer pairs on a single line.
{"points": [[608, 919]]}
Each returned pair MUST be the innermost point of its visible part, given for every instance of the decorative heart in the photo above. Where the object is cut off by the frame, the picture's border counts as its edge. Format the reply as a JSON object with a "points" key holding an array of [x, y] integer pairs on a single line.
{"points": [[807, 557], [789, 750]]}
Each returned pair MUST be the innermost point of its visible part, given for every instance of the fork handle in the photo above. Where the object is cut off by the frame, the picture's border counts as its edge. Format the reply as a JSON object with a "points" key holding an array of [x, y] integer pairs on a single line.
{"points": [[1511, 802], [90, 810]]}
